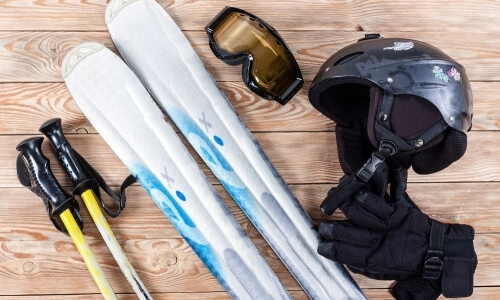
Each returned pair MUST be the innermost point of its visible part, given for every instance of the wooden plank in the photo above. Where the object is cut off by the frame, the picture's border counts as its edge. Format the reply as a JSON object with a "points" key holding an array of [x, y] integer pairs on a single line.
{"points": [[25, 106], [23, 216], [300, 157], [36, 56], [373, 15], [164, 265], [480, 293], [35, 259]]}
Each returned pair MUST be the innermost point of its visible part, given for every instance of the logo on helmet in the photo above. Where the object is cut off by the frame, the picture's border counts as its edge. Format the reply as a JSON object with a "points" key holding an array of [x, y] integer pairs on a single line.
{"points": [[400, 46]]}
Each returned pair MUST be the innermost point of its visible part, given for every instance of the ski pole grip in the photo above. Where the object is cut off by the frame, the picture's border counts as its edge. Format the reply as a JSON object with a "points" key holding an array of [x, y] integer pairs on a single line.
{"points": [[33, 170], [53, 130]]}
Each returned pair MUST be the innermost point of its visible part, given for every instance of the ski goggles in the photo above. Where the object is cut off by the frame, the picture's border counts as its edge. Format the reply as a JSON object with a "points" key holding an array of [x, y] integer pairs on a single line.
{"points": [[269, 68]]}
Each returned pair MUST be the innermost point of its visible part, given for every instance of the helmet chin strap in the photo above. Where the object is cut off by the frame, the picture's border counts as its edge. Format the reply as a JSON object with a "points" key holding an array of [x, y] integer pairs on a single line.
{"points": [[351, 183], [386, 149]]}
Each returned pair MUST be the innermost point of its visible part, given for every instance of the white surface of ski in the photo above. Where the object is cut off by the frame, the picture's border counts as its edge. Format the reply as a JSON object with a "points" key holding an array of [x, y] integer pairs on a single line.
{"points": [[125, 115]]}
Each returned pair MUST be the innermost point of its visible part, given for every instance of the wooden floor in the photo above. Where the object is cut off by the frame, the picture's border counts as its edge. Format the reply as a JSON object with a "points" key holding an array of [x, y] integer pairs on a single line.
{"points": [[38, 262]]}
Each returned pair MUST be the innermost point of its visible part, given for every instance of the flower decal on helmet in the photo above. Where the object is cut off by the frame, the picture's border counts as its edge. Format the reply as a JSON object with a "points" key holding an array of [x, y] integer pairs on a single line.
{"points": [[453, 73], [439, 74]]}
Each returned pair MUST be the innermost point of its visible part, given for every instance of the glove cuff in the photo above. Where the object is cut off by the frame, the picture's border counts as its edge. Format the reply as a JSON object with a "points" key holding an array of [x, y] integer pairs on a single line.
{"points": [[451, 256], [459, 262]]}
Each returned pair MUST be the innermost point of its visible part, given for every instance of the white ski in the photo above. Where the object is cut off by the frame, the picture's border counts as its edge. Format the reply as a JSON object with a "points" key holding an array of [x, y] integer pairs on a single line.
{"points": [[162, 58], [122, 111]]}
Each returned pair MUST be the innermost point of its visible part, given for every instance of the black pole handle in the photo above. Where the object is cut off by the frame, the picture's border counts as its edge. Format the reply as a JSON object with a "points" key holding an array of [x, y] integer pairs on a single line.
{"points": [[82, 174], [65, 153], [33, 171]]}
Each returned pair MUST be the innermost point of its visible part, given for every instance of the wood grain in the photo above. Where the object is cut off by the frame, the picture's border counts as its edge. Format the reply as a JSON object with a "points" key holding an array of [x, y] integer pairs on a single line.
{"points": [[373, 15], [38, 262], [480, 293], [164, 265], [475, 204], [25, 106], [36, 56], [300, 157]]}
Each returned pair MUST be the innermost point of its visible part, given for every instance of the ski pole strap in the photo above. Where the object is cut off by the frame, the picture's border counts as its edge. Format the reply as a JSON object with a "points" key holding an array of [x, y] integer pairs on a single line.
{"points": [[434, 258], [99, 182]]}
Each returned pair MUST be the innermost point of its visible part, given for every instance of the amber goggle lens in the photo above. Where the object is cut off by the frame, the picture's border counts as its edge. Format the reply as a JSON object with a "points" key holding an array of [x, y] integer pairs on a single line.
{"points": [[272, 68]]}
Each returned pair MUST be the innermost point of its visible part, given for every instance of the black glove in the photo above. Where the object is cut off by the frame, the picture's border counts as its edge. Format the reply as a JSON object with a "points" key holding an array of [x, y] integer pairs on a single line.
{"points": [[395, 240]]}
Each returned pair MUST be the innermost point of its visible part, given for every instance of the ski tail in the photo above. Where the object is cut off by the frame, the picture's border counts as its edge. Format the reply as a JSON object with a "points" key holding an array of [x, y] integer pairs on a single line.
{"points": [[164, 61], [124, 114]]}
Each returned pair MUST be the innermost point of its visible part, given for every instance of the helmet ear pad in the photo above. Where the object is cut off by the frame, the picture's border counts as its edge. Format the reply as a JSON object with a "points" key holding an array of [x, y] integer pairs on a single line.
{"points": [[440, 156], [410, 117]]}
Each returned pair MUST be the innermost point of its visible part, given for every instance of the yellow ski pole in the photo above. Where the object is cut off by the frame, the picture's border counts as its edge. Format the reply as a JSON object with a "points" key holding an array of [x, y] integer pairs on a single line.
{"points": [[83, 186], [33, 171]]}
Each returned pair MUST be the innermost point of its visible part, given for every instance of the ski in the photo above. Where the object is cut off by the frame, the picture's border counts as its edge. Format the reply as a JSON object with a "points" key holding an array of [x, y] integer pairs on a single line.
{"points": [[125, 115], [162, 58]]}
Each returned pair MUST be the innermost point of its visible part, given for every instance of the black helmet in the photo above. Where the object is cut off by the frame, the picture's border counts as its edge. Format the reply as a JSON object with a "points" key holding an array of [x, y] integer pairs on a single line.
{"points": [[395, 97]]}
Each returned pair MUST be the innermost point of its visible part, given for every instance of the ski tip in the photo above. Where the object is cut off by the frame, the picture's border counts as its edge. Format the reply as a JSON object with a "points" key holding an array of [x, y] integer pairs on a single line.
{"points": [[78, 54], [114, 7]]}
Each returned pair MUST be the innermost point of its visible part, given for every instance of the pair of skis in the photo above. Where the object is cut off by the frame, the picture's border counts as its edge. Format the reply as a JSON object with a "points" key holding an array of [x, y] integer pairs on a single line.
{"points": [[115, 99]]}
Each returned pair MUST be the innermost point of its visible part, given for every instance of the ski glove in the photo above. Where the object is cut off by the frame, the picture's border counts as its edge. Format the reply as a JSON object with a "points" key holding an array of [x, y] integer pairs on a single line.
{"points": [[395, 240]]}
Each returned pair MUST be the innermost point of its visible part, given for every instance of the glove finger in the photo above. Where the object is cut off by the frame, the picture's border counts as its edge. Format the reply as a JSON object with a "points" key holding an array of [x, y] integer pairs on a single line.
{"points": [[369, 210], [344, 252], [347, 232], [340, 194], [417, 288]]}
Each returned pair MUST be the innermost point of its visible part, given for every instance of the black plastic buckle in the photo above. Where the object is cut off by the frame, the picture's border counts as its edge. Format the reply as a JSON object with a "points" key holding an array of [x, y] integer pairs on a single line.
{"points": [[366, 172], [433, 267]]}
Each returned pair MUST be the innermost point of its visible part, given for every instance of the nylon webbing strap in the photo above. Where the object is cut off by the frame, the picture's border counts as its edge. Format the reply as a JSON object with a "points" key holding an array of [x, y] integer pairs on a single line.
{"points": [[386, 134], [434, 259], [97, 178], [383, 126], [434, 131], [385, 109], [408, 145]]}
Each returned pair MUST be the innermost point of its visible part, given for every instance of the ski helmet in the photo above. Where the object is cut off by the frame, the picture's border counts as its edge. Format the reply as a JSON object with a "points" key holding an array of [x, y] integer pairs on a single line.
{"points": [[403, 97]]}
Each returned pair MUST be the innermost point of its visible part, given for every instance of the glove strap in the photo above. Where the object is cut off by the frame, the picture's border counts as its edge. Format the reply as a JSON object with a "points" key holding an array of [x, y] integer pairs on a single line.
{"points": [[434, 259]]}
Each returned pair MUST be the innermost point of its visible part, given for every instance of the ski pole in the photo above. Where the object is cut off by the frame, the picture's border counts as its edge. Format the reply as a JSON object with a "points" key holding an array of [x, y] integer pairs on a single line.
{"points": [[83, 186], [33, 171]]}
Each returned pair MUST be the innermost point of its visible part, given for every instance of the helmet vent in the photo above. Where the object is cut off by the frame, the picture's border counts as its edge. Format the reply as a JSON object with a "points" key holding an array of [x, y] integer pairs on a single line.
{"points": [[347, 58]]}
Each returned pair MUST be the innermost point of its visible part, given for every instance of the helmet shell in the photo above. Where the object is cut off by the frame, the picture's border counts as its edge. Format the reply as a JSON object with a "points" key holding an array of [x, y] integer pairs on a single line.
{"points": [[400, 66]]}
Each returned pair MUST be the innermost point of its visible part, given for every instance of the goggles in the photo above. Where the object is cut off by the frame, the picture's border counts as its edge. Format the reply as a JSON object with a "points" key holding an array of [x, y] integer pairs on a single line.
{"points": [[269, 68]]}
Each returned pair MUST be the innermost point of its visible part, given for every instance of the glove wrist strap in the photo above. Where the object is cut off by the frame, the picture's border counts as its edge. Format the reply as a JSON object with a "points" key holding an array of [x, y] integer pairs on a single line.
{"points": [[434, 258]]}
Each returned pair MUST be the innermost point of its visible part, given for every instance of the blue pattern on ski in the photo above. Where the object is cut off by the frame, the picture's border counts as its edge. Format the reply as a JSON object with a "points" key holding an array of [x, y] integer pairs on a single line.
{"points": [[219, 165], [180, 219]]}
